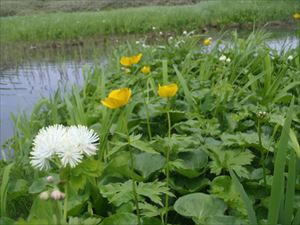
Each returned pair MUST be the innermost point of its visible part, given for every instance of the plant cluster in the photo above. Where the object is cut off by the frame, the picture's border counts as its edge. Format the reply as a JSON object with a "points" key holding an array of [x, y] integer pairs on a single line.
{"points": [[185, 137]]}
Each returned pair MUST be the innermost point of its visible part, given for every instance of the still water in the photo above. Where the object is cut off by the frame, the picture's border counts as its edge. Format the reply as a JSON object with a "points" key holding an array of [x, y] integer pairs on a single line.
{"points": [[23, 85]]}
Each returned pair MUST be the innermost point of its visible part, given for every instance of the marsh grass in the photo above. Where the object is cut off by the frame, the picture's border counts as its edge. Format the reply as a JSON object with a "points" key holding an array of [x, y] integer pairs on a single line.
{"points": [[79, 25], [207, 138]]}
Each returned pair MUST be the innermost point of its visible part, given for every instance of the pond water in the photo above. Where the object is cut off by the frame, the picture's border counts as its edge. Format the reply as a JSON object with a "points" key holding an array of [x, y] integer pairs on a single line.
{"points": [[23, 85]]}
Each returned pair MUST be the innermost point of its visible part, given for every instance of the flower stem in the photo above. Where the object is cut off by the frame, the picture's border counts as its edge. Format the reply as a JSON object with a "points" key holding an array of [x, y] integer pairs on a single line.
{"points": [[136, 200], [262, 161], [66, 201], [57, 212], [147, 115], [167, 166]]}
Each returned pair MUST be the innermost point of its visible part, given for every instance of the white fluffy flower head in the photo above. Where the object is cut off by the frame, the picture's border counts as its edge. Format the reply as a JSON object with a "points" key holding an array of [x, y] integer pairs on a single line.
{"points": [[69, 144], [46, 143]]}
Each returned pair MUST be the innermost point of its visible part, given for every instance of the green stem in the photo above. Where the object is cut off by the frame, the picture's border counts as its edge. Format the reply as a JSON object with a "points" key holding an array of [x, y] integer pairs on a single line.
{"points": [[57, 212], [66, 201], [136, 200], [147, 115], [167, 166], [262, 160]]}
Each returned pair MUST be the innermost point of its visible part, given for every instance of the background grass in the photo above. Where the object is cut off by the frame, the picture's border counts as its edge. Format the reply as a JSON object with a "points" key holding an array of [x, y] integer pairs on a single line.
{"points": [[79, 25], [24, 7]]}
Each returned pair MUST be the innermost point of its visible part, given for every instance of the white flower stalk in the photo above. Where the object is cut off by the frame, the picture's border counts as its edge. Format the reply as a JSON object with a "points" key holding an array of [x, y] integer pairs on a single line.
{"points": [[47, 142], [290, 58]]}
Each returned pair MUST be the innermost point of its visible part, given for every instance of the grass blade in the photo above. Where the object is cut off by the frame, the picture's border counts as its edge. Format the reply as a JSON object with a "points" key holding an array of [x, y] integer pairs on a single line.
{"points": [[3, 190], [290, 190], [246, 200], [185, 88], [278, 177], [165, 71]]}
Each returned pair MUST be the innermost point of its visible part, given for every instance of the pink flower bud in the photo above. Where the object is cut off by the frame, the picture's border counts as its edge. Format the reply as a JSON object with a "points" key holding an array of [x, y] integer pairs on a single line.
{"points": [[57, 195]]}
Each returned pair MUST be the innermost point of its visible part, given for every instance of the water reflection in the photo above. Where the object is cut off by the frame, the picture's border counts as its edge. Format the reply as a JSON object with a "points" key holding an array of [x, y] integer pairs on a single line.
{"points": [[22, 87]]}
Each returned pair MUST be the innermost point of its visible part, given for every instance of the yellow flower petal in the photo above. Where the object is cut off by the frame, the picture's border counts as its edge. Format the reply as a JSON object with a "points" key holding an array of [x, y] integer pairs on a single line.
{"points": [[146, 69], [167, 91], [207, 41], [296, 16], [125, 61], [136, 58], [117, 98]]}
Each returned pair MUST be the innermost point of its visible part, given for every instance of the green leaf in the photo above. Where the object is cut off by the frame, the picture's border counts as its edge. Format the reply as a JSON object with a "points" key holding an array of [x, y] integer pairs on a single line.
{"points": [[18, 188], [244, 196], [4, 186], [199, 206], [290, 189], [223, 188], [143, 146], [230, 159], [120, 219], [38, 186], [144, 163], [48, 210], [295, 143], [151, 221], [278, 177], [89, 167], [186, 185], [193, 163]]}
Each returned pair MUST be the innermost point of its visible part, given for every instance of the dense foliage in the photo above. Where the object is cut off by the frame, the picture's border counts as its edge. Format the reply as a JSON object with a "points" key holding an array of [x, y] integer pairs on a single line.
{"points": [[222, 150]]}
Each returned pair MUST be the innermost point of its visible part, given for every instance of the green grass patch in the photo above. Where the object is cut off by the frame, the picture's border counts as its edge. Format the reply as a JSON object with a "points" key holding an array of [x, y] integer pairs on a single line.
{"points": [[79, 25]]}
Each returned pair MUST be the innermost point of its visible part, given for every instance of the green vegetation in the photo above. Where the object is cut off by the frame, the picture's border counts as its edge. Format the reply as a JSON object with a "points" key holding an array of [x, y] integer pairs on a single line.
{"points": [[79, 25], [224, 149], [27, 7]]}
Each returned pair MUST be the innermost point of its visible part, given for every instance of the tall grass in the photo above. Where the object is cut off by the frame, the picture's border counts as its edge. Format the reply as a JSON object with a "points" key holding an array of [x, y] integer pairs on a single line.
{"points": [[62, 26]]}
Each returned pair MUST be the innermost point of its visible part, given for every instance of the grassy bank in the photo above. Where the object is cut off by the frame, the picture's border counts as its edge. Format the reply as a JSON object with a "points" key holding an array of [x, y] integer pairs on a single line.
{"points": [[217, 149], [29, 7], [79, 25]]}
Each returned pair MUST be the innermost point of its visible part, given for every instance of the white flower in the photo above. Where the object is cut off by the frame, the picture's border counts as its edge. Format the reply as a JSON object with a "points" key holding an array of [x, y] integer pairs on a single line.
{"points": [[228, 60], [290, 58], [83, 139], [137, 42], [185, 32], [222, 58], [160, 33], [47, 142], [69, 144], [170, 38], [153, 28]]}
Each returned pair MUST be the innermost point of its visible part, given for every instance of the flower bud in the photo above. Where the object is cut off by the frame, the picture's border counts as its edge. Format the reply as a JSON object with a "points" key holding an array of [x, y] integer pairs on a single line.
{"points": [[44, 195], [50, 179], [57, 195]]}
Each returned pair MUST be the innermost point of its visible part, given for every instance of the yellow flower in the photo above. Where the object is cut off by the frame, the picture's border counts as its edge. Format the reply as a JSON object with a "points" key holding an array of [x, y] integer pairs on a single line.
{"points": [[129, 61], [167, 91], [125, 61], [117, 98], [136, 58], [146, 69], [296, 16], [207, 41]]}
